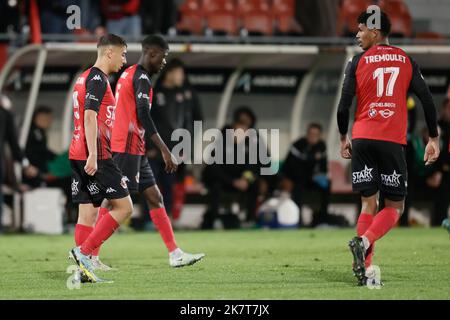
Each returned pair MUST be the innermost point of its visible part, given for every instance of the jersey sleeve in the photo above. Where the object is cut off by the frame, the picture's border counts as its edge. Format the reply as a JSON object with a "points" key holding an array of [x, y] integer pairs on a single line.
{"points": [[142, 87], [95, 91], [419, 87], [347, 94]]}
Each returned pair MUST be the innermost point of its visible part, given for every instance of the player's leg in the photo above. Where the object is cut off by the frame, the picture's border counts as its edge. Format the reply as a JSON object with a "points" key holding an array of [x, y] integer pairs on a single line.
{"points": [[158, 214], [87, 214], [95, 257], [369, 208], [121, 210], [385, 220], [107, 183], [364, 180]]}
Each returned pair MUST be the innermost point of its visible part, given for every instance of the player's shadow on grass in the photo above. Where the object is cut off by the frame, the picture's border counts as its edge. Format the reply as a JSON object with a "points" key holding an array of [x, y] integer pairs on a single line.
{"points": [[333, 276], [54, 275]]}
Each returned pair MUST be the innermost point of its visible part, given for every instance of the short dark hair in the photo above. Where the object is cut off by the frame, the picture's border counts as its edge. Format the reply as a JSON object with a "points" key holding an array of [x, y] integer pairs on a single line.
{"points": [[385, 22], [315, 125], [42, 109], [111, 40], [154, 40], [174, 63], [244, 110]]}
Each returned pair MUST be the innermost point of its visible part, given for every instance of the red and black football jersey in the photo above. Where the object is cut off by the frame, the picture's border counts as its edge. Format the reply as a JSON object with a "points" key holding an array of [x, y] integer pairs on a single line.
{"points": [[134, 96], [92, 91], [381, 78]]}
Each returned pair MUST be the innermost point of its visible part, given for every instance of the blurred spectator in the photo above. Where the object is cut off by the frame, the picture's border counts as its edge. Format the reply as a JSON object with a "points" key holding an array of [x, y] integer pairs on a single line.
{"points": [[176, 105], [441, 178], [305, 170], [8, 134], [122, 17], [317, 18], [36, 149], [158, 16], [410, 155], [233, 186], [54, 15]]}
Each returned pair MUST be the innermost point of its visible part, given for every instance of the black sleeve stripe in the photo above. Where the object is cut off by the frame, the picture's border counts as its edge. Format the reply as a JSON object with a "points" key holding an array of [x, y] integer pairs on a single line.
{"points": [[96, 85], [142, 87], [348, 92], [419, 87]]}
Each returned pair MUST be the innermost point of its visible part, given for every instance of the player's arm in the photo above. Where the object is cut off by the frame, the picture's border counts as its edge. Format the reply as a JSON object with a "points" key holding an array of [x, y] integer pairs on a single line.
{"points": [[345, 103], [142, 88], [419, 87], [95, 90]]}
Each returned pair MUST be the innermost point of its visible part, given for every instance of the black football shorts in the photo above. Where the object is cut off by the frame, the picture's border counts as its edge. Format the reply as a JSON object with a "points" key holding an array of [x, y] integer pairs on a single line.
{"points": [[136, 171], [107, 183], [379, 166]]}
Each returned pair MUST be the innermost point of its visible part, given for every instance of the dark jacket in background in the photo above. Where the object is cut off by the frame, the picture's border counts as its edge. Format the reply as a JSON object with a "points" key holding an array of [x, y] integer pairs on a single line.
{"points": [[38, 154], [305, 161], [173, 109], [8, 134]]}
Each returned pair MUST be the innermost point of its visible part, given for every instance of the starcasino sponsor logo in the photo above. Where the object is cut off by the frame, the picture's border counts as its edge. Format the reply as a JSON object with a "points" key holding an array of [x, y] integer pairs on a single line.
{"points": [[391, 180], [363, 175]]}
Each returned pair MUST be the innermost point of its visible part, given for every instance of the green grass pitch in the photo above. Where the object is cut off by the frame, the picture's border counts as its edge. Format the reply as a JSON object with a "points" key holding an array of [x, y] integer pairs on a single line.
{"points": [[255, 264]]}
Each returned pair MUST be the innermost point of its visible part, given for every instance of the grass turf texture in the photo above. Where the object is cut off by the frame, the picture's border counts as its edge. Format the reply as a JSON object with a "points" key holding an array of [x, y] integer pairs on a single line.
{"points": [[257, 264]]}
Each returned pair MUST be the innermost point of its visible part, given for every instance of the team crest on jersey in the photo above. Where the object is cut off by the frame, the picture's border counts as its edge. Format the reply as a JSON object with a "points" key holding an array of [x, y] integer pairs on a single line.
{"points": [[391, 180], [97, 77], [363, 175], [372, 113], [386, 113]]}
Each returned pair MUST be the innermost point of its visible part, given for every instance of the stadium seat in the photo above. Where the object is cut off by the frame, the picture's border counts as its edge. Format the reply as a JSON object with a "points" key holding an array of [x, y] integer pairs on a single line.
{"points": [[347, 24], [245, 7], [255, 16], [191, 18], [400, 17], [221, 16], [210, 6], [222, 22], [284, 13], [339, 179], [259, 23]]}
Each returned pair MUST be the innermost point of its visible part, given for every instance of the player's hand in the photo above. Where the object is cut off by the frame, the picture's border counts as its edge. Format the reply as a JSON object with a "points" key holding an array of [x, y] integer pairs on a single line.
{"points": [[31, 171], [346, 147], [170, 161], [431, 151], [241, 184], [91, 165]]}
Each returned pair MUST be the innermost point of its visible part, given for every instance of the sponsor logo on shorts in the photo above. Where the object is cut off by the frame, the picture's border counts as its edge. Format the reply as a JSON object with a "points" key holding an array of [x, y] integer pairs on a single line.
{"points": [[372, 113], [93, 188], [391, 180], [124, 181], [386, 113], [110, 190], [75, 189], [363, 175]]}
